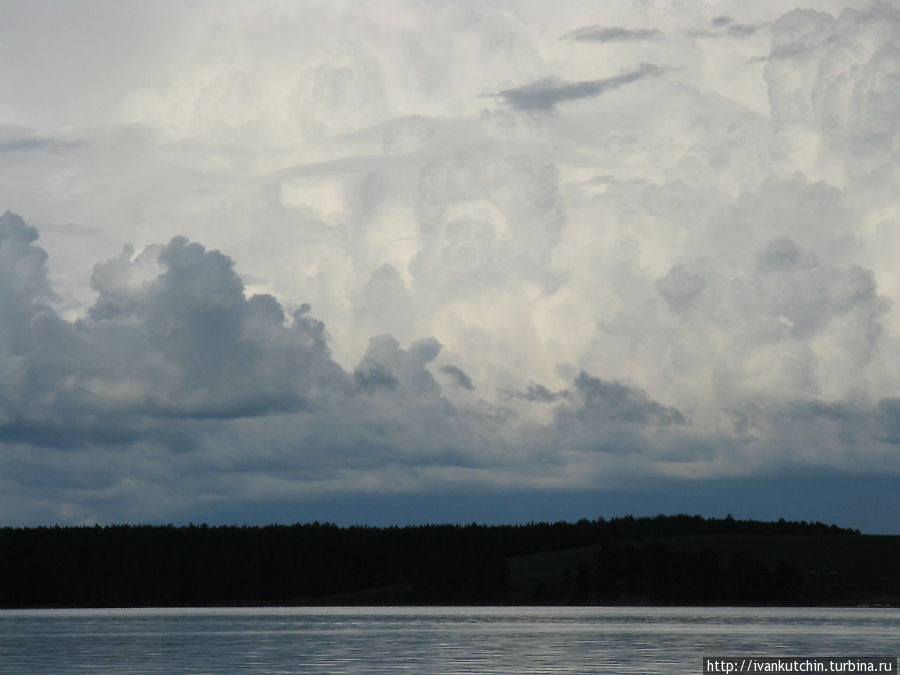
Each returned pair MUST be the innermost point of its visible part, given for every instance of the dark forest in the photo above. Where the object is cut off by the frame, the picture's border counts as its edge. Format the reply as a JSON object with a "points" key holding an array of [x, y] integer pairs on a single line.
{"points": [[665, 560]]}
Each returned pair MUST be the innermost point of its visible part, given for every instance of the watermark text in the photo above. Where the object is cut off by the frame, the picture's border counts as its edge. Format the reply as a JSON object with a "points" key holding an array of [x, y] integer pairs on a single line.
{"points": [[818, 664]]}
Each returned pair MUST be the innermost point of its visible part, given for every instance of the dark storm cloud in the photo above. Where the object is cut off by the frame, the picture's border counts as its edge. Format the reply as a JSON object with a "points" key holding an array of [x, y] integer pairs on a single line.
{"points": [[171, 335], [612, 34], [386, 366], [545, 94], [851, 423], [614, 401], [610, 419], [839, 412], [37, 349], [174, 355], [196, 345], [459, 377], [371, 375], [887, 415]]}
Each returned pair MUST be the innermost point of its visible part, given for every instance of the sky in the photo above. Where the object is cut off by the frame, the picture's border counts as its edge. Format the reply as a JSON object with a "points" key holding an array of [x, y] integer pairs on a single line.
{"points": [[484, 261]]}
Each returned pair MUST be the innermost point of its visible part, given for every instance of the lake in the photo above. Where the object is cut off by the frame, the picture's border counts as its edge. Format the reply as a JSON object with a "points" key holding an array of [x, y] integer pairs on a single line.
{"points": [[451, 640]]}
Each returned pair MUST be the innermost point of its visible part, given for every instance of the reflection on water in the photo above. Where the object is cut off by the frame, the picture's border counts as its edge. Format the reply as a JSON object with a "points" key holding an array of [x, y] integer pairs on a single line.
{"points": [[429, 639]]}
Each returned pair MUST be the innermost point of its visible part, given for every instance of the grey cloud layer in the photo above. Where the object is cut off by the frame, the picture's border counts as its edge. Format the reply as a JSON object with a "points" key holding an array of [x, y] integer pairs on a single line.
{"points": [[173, 352]]}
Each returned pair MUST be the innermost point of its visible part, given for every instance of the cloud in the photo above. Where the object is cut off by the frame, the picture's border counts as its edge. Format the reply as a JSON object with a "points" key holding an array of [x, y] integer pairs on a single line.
{"points": [[176, 379], [601, 401], [35, 346], [807, 326], [170, 335], [384, 305], [546, 93], [459, 377], [742, 30], [838, 76], [29, 144], [372, 375], [173, 339], [539, 393], [680, 287], [385, 365], [695, 281], [725, 26], [612, 34], [191, 343]]}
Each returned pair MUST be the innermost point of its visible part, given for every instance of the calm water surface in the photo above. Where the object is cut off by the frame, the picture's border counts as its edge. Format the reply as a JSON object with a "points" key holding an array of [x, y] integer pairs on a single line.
{"points": [[429, 639]]}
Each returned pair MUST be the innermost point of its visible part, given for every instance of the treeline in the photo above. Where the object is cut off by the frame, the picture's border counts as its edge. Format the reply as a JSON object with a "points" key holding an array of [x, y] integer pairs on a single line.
{"points": [[123, 565]]}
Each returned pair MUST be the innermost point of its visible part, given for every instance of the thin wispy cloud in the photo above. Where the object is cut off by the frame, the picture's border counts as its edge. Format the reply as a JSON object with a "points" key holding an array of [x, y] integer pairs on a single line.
{"points": [[545, 94], [612, 34]]}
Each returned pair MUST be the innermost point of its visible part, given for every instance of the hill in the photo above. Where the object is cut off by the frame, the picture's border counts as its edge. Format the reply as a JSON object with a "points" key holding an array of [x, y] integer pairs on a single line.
{"points": [[811, 569]]}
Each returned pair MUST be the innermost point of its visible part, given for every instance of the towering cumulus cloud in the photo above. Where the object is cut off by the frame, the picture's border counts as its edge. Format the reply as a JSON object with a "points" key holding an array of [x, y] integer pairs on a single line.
{"points": [[171, 334], [838, 75], [177, 336], [334, 256]]}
